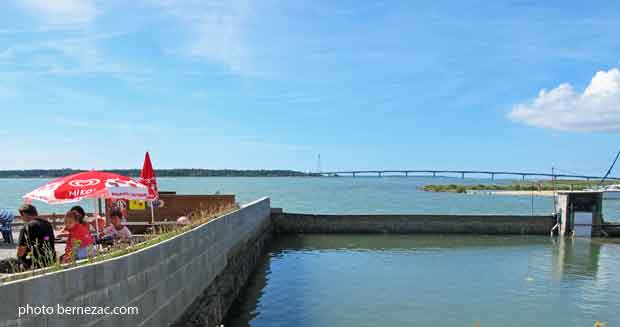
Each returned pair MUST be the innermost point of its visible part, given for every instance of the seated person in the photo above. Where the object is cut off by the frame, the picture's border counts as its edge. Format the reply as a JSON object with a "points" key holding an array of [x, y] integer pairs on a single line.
{"points": [[79, 241], [79, 211], [36, 240], [6, 222], [81, 214], [117, 230], [98, 224]]}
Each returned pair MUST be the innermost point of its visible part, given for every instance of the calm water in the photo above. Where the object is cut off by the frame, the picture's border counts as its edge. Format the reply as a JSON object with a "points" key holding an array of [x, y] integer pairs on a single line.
{"points": [[335, 195], [417, 280], [325, 195]]}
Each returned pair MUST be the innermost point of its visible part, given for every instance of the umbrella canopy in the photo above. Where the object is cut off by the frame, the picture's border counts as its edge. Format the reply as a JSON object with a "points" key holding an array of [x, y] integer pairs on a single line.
{"points": [[89, 185], [147, 177]]}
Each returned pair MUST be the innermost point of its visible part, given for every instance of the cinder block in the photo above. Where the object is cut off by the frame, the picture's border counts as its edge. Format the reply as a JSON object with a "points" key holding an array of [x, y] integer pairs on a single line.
{"points": [[78, 280], [137, 285], [10, 300]]}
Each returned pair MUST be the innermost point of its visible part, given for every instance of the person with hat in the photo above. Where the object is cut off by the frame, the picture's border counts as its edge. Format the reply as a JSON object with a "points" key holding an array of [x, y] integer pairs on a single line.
{"points": [[36, 240]]}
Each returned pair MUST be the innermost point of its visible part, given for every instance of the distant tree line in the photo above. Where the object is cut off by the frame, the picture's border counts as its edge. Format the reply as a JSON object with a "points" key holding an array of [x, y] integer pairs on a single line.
{"points": [[50, 173]]}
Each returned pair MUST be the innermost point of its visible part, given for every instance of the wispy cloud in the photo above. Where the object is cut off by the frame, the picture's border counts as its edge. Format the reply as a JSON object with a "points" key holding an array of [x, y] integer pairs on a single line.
{"points": [[67, 56], [220, 31], [63, 12], [562, 108], [65, 43]]}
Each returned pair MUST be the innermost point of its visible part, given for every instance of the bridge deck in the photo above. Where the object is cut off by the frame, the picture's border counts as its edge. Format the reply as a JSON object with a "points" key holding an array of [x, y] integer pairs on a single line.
{"points": [[462, 173]]}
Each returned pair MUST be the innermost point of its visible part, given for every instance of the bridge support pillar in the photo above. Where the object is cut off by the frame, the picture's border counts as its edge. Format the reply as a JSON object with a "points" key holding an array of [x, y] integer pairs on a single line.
{"points": [[353, 174], [406, 174], [492, 177], [380, 174], [462, 175], [434, 174], [522, 177]]}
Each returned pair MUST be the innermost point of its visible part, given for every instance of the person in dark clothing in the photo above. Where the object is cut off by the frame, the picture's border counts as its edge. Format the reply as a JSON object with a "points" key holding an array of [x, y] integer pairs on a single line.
{"points": [[36, 240]]}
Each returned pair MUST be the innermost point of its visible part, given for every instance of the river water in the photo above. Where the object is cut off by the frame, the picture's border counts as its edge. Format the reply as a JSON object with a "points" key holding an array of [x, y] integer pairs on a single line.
{"points": [[335, 195], [326, 195]]}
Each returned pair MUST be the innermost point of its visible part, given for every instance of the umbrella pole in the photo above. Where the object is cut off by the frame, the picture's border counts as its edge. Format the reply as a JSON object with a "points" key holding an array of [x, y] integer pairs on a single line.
{"points": [[96, 218], [152, 213]]}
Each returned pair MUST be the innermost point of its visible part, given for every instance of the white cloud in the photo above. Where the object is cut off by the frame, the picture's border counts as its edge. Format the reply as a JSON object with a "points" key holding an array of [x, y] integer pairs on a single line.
{"points": [[220, 30], [67, 56], [63, 12], [562, 108]]}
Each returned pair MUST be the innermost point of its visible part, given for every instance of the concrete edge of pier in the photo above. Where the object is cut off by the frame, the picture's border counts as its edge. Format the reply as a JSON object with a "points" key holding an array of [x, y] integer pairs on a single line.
{"points": [[413, 223]]}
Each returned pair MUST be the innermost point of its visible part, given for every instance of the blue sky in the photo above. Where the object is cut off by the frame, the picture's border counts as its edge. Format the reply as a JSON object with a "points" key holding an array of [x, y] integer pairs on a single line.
{"points": [[270, 84]]}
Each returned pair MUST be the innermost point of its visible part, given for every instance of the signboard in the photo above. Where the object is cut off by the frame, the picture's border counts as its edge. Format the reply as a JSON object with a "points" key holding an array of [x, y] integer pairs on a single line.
{"points": [[137, 205]]}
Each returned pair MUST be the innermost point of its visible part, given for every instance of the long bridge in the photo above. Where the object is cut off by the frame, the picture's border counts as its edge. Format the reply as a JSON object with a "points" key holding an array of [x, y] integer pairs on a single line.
{"points": [[460, 173]]}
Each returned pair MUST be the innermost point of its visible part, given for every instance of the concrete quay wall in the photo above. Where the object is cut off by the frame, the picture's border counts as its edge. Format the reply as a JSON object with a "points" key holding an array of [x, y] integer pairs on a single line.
{"points": [[166, 281], [422, 223]]}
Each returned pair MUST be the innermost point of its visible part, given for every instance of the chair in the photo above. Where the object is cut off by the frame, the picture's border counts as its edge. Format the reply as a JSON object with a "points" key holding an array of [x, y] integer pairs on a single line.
{"points": [[6, 225]]}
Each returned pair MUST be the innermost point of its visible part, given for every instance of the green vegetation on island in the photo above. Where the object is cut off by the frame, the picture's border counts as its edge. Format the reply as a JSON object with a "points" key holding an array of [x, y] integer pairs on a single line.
{"points": [[542, 185], [51, 173]]}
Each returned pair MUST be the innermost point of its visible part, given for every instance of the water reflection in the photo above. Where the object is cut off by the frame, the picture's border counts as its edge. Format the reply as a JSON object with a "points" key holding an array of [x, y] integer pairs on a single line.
{"points": [[254, 289], [396, 242], [576, 258]]}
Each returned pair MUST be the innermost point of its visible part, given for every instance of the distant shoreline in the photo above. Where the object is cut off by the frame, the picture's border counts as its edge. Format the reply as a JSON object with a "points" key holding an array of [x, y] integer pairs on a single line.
{"points": [[521, 193], [182, 172]]}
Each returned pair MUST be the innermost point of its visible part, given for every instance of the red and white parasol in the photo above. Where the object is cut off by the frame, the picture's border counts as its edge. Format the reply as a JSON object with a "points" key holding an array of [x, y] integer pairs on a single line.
{"points": [[147, 177], [89, 185]]}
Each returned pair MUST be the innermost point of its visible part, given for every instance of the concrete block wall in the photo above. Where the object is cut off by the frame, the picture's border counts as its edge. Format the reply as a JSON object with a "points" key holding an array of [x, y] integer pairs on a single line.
{"points": [[161, 281], [439, 224]]}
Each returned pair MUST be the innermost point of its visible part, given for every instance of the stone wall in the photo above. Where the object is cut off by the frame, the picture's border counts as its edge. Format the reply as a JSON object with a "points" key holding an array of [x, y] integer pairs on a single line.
{"points": [[211, 307], [440, 224], [163, 281]]}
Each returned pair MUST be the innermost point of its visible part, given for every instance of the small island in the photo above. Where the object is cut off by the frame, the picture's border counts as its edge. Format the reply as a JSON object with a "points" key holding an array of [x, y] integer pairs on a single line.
{"points": [[540, 187]]}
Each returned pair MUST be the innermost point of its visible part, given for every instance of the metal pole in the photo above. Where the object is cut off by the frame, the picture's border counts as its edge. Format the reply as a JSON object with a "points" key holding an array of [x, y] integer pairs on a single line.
{"points": [[554, 190], [96, 216], [152, 213], [532, 203]]}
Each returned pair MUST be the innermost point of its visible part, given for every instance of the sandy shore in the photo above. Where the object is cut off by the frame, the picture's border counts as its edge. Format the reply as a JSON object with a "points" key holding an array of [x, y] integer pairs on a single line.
{"points": [[528, 193]]}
